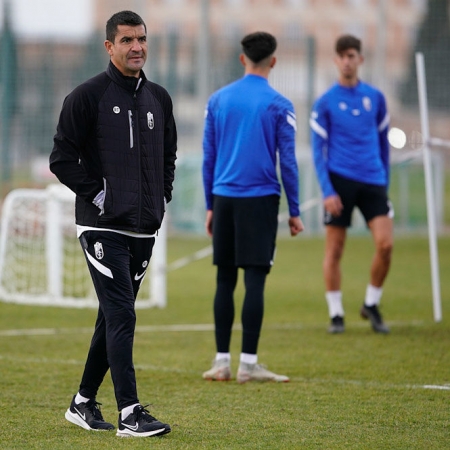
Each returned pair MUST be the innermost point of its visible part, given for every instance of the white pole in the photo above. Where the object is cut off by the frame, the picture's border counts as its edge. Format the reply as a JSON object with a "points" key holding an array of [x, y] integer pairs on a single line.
{"points": [[203, 55], [54, 243], [431, 209], [158, 263], [380, 49], [6, 213]]}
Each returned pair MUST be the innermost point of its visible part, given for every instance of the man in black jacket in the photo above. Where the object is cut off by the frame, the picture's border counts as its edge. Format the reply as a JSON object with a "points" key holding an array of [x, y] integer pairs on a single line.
{"points": [[115, 147]]}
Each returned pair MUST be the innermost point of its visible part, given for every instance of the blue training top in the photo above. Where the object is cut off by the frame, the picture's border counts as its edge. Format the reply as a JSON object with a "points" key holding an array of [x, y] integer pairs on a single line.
{"points": [[246, 122], [349, 127]]}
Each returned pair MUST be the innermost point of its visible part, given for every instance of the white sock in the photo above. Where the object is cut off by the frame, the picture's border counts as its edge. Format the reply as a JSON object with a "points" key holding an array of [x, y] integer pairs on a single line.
{"points": [[373, 295], [248, 358], [127, 411], [80, 399], [334, 300], [226, 356]]}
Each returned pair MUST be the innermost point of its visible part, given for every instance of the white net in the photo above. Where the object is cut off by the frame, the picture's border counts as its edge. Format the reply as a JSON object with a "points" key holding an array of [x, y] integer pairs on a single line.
{"points": [[41, 261]]}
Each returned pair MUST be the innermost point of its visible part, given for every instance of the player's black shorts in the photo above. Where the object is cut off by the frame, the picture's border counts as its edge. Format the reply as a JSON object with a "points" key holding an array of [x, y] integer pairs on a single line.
{"points": [[244, 230], [371, 199]]}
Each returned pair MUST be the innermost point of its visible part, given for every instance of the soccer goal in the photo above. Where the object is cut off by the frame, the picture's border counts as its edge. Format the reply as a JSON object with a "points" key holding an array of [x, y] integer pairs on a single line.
{"points": [[41, 261]]}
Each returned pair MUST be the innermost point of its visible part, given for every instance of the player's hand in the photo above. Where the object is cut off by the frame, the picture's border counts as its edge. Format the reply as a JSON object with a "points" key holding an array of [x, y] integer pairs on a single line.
{"points": [[295, 225], [208, 222], [333, 205]]}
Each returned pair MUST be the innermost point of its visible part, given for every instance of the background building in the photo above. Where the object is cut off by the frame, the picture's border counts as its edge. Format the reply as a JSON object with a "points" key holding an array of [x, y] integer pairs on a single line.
{"points": [[49, 47]]}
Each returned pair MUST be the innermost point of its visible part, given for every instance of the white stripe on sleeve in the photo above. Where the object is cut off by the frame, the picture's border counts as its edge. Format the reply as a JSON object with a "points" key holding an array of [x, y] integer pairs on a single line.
{"points": [[318, 129], [384, 123], [291, 120]]}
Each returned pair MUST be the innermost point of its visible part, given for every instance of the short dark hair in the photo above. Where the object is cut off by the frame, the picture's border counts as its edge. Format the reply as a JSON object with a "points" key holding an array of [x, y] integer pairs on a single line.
{"points": [[258, 46], [346, 42], [122, 18]]}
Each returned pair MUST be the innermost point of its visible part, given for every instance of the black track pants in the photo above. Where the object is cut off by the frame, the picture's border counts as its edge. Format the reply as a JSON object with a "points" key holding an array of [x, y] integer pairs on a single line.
{"points": [[117, 264]]}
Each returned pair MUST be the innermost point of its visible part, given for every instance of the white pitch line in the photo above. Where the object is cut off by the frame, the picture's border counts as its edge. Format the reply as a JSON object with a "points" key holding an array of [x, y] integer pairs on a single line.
{"points": [[87, 330], [185, 327], [375, 384], [45, 331], [74, 362], [151, 367], [446, 387]]}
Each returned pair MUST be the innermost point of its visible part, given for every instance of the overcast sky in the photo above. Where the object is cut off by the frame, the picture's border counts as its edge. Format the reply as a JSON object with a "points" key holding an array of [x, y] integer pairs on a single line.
{"points": [[62, 19]]}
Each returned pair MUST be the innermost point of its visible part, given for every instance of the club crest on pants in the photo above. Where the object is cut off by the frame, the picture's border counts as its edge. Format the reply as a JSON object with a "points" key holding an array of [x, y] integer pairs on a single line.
{"points": [[98, 248]]}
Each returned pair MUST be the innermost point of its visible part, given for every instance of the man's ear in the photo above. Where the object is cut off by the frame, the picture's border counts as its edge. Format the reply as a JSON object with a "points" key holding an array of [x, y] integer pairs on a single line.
{"points": [[242, 59], [108, 46], [273, 62]]}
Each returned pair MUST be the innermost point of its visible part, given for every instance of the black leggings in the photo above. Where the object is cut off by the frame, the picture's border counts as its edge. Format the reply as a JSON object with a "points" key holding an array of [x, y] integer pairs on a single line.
{"points": [[252, 308]]}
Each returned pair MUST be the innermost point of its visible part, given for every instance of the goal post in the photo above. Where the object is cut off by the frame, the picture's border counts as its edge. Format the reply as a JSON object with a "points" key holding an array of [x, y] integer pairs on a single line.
{"points": [[41, 262], [430, 194]]}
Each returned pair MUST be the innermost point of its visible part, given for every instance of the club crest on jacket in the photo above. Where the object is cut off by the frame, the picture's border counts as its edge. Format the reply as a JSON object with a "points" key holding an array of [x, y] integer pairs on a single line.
{"points": [[150, 121]]}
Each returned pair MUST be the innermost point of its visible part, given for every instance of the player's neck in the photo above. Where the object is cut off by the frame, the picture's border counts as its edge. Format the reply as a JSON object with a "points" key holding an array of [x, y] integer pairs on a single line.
{"points": [[348, 82], [262, 72]]}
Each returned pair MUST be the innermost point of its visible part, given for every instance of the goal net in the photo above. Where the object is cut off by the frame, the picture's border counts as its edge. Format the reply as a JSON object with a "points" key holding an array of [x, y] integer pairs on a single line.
{"points": [[41, 261]]}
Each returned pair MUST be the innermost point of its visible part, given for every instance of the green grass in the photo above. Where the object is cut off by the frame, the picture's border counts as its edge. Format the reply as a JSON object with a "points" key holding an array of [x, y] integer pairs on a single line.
{"points": [[358, 390]]}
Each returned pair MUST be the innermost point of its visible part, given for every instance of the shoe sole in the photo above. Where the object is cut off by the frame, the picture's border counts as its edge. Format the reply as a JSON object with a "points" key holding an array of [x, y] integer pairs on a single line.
{"points": [[77, 420], [375, 326], [129, 433], [216, 379], [335, 330], [267, 380], [221, 375]]}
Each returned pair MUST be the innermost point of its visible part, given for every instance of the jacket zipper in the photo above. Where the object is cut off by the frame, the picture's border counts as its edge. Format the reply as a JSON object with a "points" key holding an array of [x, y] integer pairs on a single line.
{"points": [[139, 157], [130, 122]]}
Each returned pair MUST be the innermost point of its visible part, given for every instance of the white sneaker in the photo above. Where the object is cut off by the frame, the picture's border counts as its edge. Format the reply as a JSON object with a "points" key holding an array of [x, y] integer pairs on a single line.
{"points": [[220, 371], [258, 372]]}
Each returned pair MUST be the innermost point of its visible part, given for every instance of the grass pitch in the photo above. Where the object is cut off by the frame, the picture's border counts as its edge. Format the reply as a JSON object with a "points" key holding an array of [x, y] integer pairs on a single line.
{"points": [[358, 390]]}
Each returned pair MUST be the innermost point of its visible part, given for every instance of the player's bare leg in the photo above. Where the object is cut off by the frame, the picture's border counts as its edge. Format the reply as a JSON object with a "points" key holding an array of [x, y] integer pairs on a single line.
{"points": [[382, 229], [382, 232], [334, 248]]}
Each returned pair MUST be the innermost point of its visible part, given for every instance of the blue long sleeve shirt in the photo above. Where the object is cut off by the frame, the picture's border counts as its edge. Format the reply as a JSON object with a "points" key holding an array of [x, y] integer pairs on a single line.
{"points": [[349, 127], [247, 123]]}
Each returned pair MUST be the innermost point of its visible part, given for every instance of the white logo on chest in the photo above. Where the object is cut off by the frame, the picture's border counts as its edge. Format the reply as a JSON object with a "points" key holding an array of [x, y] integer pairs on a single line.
{"points": [[367, 103], [150, 121]]}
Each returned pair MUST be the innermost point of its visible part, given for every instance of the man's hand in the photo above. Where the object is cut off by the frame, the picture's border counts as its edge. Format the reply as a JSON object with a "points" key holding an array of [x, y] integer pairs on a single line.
{"points": [[208, 222], [295, 225], [333, 205]]}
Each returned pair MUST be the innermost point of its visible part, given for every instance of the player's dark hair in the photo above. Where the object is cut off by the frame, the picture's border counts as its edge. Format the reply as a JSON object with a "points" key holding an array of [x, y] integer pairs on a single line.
{"points": [[122, 18], [347, 42], [258, 46]]}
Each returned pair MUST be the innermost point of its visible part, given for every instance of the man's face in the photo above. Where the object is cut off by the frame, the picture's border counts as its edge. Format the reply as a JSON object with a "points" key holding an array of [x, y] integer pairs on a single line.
{"points": [[348, 62], [128, 52]]}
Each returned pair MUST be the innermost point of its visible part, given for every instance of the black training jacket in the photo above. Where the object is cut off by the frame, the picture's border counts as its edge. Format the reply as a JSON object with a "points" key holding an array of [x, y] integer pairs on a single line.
{"points": [[118, 134]]}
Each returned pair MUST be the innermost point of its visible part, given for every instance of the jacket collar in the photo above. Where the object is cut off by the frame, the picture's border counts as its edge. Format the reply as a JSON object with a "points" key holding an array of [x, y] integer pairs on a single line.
{"points": [[129, 83]]}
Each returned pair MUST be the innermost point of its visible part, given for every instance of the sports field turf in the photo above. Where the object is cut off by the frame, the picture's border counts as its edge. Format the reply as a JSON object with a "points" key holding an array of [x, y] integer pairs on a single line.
{"points": [[358, 390]]}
